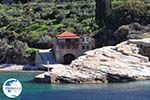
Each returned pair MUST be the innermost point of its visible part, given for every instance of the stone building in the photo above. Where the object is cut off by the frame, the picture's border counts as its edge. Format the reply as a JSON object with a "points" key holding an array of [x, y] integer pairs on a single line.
{"points": [[68, 46]]}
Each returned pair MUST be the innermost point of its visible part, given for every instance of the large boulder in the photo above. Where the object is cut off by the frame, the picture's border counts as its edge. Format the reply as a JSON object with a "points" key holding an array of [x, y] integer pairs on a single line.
{"points": [[13, 53], [121, 63]]}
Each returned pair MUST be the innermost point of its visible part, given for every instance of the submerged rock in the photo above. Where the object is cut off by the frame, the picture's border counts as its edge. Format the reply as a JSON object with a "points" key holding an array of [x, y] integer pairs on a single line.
{"points": [[121, 63]]}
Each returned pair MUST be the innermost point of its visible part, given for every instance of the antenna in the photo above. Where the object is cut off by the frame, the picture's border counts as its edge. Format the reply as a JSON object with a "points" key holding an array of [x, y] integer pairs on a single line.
{"points": [[48, 66]]}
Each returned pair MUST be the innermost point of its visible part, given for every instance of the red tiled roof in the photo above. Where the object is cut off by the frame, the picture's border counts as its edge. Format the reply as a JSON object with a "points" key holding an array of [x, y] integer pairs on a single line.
{"points": [[67, 35]]}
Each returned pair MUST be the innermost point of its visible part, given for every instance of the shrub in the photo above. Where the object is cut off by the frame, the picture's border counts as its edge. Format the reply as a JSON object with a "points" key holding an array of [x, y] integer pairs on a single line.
{"points": [[126, 12], [31, 51]]}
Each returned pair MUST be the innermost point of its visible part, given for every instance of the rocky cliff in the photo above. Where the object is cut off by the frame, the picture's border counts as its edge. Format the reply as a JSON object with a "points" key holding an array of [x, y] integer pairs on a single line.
{"points": [[127, 61]]}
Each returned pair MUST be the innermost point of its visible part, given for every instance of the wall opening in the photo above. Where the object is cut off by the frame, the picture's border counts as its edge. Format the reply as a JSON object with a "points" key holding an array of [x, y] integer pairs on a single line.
{"points": [[68, 58]]}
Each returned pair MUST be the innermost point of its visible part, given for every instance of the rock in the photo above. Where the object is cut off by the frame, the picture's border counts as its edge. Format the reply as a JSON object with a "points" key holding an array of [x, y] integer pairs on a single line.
{"points": [[13, 53], [10, 67], [121, 63], [17, 68], [44, 78], [132, 31]]}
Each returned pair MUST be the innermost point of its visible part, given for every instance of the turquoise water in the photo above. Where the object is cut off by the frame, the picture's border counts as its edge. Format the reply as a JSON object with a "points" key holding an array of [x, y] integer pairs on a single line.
{"points": [[118, 91]]}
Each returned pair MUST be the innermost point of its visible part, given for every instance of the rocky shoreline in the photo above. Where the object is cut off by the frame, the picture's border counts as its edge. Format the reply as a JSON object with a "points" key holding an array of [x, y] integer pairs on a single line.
{"points": [[19, 68], [127, 61]]}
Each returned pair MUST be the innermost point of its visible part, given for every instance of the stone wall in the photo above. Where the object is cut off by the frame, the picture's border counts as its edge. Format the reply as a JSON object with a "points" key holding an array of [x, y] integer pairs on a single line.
{"points": [[61, 52]]}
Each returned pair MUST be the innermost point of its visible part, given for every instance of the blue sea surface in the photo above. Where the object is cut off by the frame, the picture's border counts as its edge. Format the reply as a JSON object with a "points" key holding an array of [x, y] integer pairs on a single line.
{"points": [[37, 91]]}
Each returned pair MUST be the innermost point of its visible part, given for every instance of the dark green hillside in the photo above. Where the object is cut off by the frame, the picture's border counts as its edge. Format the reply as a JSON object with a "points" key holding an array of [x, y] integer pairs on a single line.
{"points": [[35, 22], [30, 21]]}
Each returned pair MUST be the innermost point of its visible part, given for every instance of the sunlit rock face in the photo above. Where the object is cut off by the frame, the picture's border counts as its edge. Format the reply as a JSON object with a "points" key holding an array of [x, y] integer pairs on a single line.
{"points": [[124, 62]]}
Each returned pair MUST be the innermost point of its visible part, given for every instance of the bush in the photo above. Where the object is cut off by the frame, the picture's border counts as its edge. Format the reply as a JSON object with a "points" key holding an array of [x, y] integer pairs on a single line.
{"points": [[128, 11], [32, 55], [13, 53], [31, 51]]}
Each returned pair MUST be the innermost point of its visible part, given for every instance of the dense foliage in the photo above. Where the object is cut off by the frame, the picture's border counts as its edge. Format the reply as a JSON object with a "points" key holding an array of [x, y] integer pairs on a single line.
{"points": [[29, 22], [128, 11], [36, 22], [103, 11], [123, 12], [33, 21]]}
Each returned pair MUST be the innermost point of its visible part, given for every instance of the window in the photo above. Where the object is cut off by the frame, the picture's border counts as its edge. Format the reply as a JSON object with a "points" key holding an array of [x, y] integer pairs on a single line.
{"points": [[87, 47], [82, 39], [61, 41], [85, 39], [68, 40], [83, 47]]}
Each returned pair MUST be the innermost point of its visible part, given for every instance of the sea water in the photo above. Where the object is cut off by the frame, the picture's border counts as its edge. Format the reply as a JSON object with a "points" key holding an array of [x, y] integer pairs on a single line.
{"points": [[38, 91]]}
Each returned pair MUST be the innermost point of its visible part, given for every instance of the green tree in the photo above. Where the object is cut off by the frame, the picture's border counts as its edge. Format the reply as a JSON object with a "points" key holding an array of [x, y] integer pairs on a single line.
{"points": [[103, 9]]}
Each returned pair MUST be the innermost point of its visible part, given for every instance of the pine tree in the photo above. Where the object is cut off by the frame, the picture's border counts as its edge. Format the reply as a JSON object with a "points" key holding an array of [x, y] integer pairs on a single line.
{"points": [[103, 9]]}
